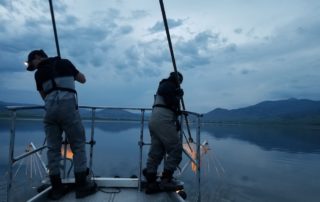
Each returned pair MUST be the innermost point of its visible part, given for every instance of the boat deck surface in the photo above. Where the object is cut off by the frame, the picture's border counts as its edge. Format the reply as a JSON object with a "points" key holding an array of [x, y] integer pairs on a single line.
{"points": [[114, 190]]}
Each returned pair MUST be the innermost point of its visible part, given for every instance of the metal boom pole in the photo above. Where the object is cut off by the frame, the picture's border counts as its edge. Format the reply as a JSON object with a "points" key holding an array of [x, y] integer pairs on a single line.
{"points": [[54, 28], [173, 61]]}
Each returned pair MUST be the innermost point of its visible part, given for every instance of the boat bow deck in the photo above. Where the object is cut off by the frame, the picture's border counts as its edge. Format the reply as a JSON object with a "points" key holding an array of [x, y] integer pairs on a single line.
{"points": [[114, 190]]}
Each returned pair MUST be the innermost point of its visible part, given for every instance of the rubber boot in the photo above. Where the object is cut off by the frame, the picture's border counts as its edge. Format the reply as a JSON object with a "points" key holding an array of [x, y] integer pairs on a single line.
{"points": [[58, 189], [84, 186], [167, 182], [152, 184]]}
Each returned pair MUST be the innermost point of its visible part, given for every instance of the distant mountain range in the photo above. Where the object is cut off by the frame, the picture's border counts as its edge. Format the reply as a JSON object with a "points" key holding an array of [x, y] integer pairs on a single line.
{"points": [[290, 111], [282, 111], [23, 113], [114, 114]]}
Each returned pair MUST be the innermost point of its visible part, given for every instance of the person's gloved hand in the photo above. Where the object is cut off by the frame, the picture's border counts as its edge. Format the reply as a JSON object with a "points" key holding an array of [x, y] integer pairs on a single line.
{"points": [[179, 92]]}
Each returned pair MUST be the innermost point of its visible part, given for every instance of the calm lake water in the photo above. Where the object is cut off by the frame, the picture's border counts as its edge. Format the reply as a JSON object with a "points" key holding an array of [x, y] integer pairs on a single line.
{"points": [[244, 163]]}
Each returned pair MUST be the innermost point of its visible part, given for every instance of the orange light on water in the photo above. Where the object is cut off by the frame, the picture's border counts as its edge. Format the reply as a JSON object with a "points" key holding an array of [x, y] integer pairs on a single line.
{"points": [[191, 150]]}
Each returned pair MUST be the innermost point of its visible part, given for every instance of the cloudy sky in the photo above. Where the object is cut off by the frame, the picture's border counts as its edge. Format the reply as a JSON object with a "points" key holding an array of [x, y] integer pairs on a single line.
{"points": [[232, 53]]}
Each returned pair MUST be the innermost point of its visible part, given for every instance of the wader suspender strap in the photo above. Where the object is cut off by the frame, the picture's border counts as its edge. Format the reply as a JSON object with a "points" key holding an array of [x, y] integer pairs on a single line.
{"points": [[163, 106], [55, 87]]}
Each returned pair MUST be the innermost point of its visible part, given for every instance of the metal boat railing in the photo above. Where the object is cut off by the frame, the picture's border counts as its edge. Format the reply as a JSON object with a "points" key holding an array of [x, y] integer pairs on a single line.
{"points": [[13, 159]]}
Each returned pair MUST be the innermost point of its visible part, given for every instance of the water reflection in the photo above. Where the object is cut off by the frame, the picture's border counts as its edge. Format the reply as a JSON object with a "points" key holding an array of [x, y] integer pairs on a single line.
{"points": [[263, 164], [293, 139], [245, 163]]}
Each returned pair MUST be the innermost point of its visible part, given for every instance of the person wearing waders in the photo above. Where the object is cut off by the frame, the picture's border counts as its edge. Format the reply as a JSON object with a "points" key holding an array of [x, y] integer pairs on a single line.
{"points": [[55, 82], [166, 143]]}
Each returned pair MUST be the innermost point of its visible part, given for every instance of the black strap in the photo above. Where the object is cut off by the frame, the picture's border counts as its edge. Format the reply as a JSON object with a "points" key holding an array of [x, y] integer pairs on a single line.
{"points": [[60, 88], [164, 106]]}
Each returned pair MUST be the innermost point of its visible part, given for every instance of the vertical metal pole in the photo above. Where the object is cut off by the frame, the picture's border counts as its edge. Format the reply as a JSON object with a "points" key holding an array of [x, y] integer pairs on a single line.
{"points": [[93, 117], [141, 147], [11, 153], [54, 28], [198, 159]]}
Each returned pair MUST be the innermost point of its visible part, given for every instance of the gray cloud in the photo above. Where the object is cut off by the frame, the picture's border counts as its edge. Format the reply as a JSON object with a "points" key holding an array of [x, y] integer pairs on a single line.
{"points": [[4, 2], [196, 52], [154, 54], [230, 48], [219, 70], [159, 26], [138, 14], [238, 30], [142, 59], [123, 30]]}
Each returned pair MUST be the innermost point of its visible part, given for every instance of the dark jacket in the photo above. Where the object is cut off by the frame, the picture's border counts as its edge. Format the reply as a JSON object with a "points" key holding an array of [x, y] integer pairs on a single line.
{"points": [[169, 90], [50, 70]]}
